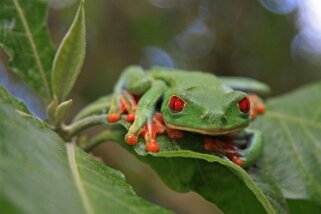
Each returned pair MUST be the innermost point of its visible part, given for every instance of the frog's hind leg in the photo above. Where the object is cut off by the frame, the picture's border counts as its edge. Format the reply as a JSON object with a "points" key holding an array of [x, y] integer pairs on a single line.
{"points": [[133, 81], [242, 149], [257, 106], [247, 85], [253, 149], [224, 147]]}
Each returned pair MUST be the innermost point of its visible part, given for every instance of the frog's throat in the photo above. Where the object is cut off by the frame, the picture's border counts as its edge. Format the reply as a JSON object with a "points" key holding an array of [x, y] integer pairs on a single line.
{"points": [[205, 132]]}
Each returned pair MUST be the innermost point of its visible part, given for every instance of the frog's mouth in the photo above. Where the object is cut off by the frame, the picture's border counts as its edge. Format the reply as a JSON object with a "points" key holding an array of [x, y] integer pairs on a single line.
{"points": [[207, 131]]}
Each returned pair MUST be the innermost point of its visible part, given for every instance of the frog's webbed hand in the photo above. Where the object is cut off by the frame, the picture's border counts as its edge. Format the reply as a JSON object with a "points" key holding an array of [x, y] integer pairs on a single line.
{"points": [[256, 91], [146, 121], [243, 148], [133, 81]]}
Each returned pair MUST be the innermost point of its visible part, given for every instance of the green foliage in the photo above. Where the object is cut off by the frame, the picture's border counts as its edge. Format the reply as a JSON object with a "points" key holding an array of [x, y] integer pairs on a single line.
{"points": [[70, 56], [302, 206], [183, 165], [24, 37], [41, 174], [292, 132], [6, 97], [62, 112]]}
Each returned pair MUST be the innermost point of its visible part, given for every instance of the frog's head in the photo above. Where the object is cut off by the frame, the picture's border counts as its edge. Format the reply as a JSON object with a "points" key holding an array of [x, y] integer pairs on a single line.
{"points": [[204, 111]]}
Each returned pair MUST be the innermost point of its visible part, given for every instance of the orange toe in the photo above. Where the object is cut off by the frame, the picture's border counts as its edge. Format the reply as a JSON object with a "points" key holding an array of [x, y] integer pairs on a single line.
{"points": [[152, 147], [113, 117], [131, 139]]}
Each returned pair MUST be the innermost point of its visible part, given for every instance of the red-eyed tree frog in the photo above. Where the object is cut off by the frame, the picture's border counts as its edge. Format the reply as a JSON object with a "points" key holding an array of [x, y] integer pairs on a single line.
{"points": [[174, 101]]}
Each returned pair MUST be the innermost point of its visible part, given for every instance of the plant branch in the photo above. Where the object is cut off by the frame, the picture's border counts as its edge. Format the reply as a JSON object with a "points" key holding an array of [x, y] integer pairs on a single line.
{"points": [[73, 129], [108, 135]]}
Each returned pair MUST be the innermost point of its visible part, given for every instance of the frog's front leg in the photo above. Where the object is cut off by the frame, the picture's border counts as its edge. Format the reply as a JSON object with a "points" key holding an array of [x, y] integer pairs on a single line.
{"points": [[243, 148], [145, 120], [133, 81]]}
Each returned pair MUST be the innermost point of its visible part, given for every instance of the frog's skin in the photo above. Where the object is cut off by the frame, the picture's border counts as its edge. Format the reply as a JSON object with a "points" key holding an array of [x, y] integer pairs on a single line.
{"points": [[190, 101]]}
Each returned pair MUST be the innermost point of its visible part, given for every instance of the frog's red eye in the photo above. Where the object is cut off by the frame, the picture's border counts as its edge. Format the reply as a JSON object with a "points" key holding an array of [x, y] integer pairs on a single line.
{"points": [[176, 104], [245, 105]]}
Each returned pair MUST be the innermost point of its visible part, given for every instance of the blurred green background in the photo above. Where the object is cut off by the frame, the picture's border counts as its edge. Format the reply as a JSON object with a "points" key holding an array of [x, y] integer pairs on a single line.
{"points": [[275, 41], [236, 37]]}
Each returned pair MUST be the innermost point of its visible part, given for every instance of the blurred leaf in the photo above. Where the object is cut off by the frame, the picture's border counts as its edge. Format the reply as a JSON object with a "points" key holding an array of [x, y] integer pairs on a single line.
{"points": [[70, 56], [301, 206], [24, 36], [42, 174], [6, 97], [292, 132]]}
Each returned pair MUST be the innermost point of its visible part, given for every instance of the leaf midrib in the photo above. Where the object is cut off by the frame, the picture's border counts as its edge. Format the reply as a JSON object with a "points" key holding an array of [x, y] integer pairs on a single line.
{"points": [[70, 147], [33, 46]]}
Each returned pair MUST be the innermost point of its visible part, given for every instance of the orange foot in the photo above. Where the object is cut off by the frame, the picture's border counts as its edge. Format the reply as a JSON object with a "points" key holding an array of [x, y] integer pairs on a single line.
{"points": [[257, 106], [227, 149], [150, 131], [128, 104]]}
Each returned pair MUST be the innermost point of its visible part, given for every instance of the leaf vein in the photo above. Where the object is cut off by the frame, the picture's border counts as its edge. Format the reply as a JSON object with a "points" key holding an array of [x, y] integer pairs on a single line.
{"points": [[305, 173], [33, 46], [112, 197]]}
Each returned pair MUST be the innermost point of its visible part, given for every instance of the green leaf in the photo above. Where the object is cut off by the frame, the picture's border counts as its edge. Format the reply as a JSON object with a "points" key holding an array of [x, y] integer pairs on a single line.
{"points": [[292, 132], [184, 166], [42, 174], [62, 111], [70, 56], [301, 206], [25, 38], [6, 97]]}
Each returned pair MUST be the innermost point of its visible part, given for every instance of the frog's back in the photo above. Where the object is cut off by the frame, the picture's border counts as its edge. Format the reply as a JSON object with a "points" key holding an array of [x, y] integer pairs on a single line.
{"points": [[181, 79]]}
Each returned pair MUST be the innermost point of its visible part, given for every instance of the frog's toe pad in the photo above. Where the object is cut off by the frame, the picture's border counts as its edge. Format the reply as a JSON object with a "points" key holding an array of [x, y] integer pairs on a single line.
{"points": [[112, 118], [152, 146], [130, 117], [131, 139], [237, 160]]}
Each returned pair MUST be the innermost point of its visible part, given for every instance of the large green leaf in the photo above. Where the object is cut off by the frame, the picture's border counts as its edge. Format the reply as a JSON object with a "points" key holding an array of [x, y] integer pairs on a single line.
{"points": [[6, 97], [183, 166], [292, 132], [25, 38], [70, 56], [42, 174]]}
